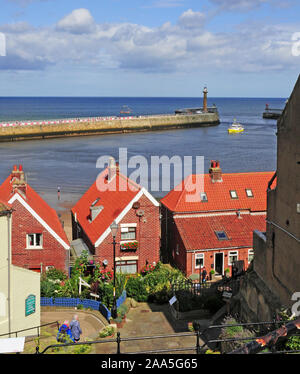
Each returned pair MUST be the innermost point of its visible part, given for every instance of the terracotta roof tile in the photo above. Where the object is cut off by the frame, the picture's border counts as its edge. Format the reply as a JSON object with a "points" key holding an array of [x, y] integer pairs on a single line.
{"points": [[200, 232], [34, 200], [218, 193], [114, 200]]}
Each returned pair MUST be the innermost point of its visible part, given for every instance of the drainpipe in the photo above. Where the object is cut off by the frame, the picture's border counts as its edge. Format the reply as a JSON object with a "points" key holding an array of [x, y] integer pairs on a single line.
{"points": [[9, 266]]}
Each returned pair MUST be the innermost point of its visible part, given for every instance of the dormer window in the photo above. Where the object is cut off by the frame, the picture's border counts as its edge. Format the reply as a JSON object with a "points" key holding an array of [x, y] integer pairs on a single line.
{"points": [[221, 235], [95, 202], [249, 192], [233, 194], [203, 197]]}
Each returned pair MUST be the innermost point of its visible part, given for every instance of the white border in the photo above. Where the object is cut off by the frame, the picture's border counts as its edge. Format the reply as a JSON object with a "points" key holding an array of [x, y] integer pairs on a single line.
{"points": [[41, 221], [142, 192]]}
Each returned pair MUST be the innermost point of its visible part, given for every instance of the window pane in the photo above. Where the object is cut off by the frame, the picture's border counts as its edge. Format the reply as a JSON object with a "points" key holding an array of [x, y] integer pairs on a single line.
{"points": [[203, 196], [130, 235], [221, 235], [233, 194], [38, 241], [199, 262], [249, 192], [31, 240]]}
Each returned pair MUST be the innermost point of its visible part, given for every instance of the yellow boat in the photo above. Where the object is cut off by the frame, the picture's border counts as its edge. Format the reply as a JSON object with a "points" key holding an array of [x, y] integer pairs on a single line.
{"points": [[236, 127]]}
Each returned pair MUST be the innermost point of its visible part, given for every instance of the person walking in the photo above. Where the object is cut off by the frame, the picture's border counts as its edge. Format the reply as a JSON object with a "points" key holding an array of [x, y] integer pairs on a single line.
{"points": [[75, 328], [204, 274]]}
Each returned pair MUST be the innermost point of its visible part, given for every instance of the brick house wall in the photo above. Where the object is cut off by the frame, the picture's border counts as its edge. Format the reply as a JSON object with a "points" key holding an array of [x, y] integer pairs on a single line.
{"points": [[209, 259], [52, 254], [147, 235]]}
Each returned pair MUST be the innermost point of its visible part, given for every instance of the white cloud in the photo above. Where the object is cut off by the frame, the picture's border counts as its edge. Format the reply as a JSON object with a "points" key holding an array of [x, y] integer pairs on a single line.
{"points": [[78, 22], [246, 5], [77, 40], [191, 19]]}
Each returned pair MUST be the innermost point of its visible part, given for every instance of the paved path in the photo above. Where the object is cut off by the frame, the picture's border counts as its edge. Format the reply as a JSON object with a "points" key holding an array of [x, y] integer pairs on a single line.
{"points": [[89, 323], [151, 320], [145, 320]]}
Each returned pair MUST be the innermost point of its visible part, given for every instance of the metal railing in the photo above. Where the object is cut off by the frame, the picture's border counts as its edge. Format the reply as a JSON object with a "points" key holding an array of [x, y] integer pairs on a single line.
{"points": [[30, 328], [254, 344], [118, 340], [197, 288]]}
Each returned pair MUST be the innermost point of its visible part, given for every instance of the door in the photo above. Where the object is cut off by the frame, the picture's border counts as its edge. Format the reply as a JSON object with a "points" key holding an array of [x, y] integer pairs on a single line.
{"points": [[219, 263]]}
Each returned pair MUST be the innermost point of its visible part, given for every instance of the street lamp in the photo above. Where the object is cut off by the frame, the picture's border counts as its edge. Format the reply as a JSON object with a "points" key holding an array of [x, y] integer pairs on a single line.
{"points": [[114, 229]]}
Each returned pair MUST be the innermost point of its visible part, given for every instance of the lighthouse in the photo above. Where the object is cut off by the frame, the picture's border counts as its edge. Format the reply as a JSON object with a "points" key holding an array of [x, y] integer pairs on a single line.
{"points": [[205, 100]]}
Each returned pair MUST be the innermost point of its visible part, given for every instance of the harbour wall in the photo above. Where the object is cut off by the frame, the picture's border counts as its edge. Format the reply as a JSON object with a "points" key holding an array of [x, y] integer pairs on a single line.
{"points": [[108, 126]]}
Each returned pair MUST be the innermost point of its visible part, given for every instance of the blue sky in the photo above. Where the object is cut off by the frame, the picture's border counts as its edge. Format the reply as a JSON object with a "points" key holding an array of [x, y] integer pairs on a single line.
{"points": [[149, 48]]}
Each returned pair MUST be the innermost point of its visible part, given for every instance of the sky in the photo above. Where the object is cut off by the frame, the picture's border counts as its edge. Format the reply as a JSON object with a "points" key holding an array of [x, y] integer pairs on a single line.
{"points": [[149, 48]]}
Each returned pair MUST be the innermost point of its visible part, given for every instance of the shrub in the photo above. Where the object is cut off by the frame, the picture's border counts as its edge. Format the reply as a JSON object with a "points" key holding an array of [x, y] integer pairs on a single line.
{"points": [[136, 289], [293, 343], [231, 332], [107, 331], [48, 288], [54, 274]]}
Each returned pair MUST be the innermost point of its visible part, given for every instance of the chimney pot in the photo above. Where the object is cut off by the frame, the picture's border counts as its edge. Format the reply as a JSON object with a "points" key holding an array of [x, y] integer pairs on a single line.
{"points": [[215, 171]]}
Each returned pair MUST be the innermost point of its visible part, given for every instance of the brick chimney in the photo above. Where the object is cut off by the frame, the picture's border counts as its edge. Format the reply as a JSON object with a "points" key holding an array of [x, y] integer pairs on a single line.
{"points": [[18, 181], [215, 171]]}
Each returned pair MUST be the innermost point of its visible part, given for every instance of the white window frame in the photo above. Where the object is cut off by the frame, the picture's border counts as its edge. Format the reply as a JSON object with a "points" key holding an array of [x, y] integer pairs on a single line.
{"points": [[233, 192], [250, 252], [203, 197], [251, 192], [199, 255], [34, 246], [125, 229], [232, 253]]}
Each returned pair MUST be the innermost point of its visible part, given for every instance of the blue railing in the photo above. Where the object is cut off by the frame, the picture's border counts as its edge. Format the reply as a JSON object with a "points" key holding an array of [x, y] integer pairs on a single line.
{"points": [[86, 303]]}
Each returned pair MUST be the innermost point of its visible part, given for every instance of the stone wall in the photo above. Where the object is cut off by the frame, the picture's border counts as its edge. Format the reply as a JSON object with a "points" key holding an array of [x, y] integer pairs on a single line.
{"points": [[164, 122]]}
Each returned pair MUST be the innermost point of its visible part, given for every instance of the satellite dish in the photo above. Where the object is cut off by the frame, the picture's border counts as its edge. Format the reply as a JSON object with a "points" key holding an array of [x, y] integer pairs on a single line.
{"points": [[140, 213]]}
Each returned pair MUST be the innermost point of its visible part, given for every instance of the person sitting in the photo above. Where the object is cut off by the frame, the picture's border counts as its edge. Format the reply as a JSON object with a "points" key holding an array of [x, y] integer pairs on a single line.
{"points": [[64, 334]]}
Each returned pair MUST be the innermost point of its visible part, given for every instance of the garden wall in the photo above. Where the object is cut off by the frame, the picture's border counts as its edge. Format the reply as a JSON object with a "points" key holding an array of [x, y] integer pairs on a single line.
{"points": [[86, 303]]}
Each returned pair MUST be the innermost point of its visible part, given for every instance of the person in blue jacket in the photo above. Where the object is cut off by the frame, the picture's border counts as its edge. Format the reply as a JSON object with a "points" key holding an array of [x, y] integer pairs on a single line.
{"points": [[64, 334], [75, 328]]}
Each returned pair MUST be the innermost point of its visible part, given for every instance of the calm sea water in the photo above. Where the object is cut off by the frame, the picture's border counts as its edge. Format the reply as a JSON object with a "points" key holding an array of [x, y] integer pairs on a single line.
{"points": [[71, 162]]}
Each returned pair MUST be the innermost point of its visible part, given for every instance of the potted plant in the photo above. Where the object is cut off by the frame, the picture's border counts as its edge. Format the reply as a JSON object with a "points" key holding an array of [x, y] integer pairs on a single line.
{"points": [[212, 274], [119, 322], [227, 272], [108, 331]]}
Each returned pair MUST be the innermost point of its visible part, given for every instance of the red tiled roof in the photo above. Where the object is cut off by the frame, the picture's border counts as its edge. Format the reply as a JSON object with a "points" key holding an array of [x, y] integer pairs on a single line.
{"points": [[39, 205], [218, 193], [199, 232], [113, 201]]}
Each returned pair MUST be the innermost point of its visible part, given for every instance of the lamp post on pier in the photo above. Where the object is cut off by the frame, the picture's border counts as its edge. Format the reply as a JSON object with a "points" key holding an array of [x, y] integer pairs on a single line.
{"points": [[114, 229]]}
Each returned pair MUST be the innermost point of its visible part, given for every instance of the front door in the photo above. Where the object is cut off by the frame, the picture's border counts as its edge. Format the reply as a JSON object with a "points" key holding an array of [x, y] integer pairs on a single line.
{"points": [[219, 261]]}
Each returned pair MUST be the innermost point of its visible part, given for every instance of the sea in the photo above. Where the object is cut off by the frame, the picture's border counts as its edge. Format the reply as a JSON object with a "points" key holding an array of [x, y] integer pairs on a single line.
{"points": [[71, 163]]}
